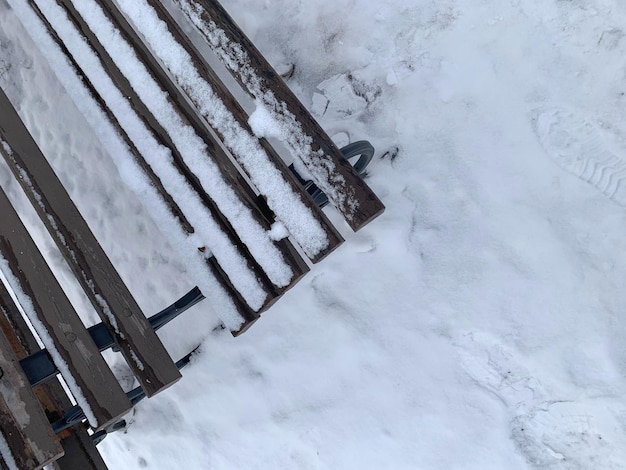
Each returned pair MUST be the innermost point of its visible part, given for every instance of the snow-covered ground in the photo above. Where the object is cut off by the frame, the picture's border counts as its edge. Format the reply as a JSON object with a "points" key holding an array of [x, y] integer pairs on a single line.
{"points": [[477, 324]]}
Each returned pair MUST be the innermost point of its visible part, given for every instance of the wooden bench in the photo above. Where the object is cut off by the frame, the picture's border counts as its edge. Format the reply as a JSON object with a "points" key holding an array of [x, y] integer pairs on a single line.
{"points": [[236, 184], [233, 205]]}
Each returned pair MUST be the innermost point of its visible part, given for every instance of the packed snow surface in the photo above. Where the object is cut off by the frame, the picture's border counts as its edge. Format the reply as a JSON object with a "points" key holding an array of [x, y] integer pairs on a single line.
{"points": [[477, 324]]}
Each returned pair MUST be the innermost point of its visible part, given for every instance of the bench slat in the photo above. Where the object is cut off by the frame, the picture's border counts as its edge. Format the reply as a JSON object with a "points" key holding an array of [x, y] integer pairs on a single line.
{"points": [[349, 194], [57, 322], [292, 197], [80, 451], [23, 423], [139, 344]]}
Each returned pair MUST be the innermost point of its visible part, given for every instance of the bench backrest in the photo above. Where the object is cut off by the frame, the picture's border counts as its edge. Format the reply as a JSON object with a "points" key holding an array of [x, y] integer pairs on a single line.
{"points": [[117, 308], [80, 453], [57, 323]]}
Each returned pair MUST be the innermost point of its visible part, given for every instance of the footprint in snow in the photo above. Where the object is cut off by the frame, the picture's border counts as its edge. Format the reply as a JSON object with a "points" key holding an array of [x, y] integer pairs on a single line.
{"points": [[571, 436], [549, 433], [492, 367], [580, 147]]}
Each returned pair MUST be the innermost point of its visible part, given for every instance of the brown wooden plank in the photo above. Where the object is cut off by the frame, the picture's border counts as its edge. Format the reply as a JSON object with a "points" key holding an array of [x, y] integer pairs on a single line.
{"points": [[14, 327], [80, 451], [189, 114], [117, 308], [23, 423], [241, 117], [342, 192], [80, 356]]}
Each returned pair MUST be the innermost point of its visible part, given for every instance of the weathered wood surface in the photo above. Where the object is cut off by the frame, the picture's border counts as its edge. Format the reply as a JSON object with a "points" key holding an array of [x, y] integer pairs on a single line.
{"points": [[59, 321], [259, 79], [261, 214], [80, 451], [23, 423], [117, 308], [241, 117]]}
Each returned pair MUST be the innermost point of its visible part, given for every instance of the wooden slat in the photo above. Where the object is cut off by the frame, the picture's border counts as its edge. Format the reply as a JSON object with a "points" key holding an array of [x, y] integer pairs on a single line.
{"points": [[229, 171], [13, 325], [23, 423], [62, 325], [139, 344], [248, 315], [242, 117], [324, 153], [80, 451]]}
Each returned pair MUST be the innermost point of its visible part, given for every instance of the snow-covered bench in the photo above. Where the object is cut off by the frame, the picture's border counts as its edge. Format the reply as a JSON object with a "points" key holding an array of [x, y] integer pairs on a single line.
{"points": [[242, 219]]}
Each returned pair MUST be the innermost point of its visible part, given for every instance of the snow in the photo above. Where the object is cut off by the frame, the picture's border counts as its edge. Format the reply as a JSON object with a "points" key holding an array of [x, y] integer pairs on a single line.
{"points": [[478, 323]]}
